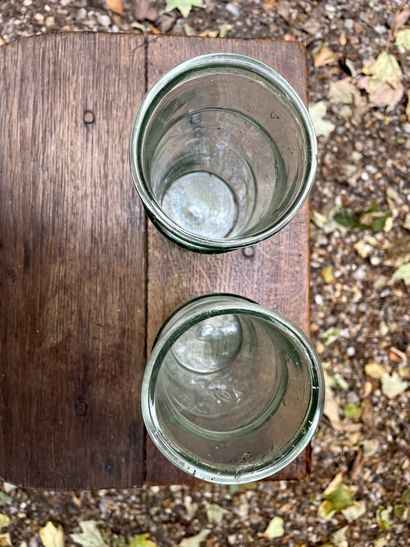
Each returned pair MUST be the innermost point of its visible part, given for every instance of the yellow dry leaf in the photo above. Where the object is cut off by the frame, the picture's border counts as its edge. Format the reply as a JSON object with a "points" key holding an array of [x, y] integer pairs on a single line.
{"points": [[374, 370], [323, 55], [52, 536], [327, 274], [115, 6]]}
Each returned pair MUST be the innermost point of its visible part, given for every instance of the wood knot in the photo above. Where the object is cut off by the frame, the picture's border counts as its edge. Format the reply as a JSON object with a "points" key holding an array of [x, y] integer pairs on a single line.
{"points": [[81, 407], [88, 117]]}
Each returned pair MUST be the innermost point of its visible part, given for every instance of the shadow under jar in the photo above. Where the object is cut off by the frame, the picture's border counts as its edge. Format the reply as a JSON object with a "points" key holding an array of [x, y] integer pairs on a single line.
{"points": [[232, 392], [222, 152]]}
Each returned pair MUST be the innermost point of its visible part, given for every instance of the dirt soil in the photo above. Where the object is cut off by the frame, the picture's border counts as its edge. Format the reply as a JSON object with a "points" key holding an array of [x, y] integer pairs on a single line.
{"points": [[360, 300]]}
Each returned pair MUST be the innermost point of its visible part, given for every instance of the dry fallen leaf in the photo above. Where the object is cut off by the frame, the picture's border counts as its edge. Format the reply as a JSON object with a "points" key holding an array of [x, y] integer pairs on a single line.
{"points": [[342, 91], [195, 541], [5, 540], [323, 55], [375, 370], [383, 95], [90, 535], [141, 540], [402, 273], [317, 112], [339, 537], [355, 511], [275, 529], [385, 69], [184, 6], [393, 385], [400, 19], [403, 38], [215, 513], [115, 6], [52, 536]]}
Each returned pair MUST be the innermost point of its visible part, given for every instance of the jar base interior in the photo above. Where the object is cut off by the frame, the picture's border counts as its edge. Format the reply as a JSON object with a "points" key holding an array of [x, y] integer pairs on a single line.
{"points": [[218, 174], [201, 203]]}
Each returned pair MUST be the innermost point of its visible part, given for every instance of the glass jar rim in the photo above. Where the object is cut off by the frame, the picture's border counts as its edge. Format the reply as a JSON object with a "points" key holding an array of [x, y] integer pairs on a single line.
{"points": [[167, 336], [218, 60]]}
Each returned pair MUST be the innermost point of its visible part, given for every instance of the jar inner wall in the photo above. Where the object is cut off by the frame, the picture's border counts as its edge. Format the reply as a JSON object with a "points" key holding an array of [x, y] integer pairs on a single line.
{"points": [[233, 393], [223, 153]]}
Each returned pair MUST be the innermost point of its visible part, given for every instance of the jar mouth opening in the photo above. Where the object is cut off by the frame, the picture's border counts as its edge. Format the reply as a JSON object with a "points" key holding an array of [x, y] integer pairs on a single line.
{"points": [[183, 459], [154, 96]]}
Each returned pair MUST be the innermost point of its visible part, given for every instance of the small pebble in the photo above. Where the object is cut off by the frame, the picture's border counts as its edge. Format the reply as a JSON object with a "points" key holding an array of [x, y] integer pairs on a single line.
{"points": [[104, 20], [234, 10]]}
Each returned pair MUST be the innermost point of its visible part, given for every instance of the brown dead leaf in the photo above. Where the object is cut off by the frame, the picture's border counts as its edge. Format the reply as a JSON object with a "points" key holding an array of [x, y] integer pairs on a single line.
{"points": [[397, 356], [383, 95], [399, 21], [357, 466], [115, 6], [270, 4], [323, 55], [145, 10], [375, 370], [367, 390], [155, 30], [331, 410]]}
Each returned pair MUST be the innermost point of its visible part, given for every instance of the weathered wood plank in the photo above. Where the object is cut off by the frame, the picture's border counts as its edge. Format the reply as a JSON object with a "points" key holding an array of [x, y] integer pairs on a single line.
{"points": [[276, 275]]}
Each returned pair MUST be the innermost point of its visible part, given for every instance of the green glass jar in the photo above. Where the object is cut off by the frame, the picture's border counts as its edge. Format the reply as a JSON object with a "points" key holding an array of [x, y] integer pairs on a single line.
{"points": [[232, 392], [222, 153]]}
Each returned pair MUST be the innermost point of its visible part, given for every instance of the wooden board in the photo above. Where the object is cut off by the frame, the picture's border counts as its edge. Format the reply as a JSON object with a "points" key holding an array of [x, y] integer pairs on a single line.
{"points": [[275, 275], [72, 263], [74, 318]]}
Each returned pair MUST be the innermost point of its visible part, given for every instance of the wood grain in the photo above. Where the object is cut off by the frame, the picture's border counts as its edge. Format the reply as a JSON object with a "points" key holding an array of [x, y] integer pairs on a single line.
{"points": [[72, 263], [276, 275], [73, 258]]}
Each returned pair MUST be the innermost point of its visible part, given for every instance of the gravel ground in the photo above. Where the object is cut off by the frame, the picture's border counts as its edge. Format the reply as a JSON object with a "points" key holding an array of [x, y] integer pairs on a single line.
{"points": [[360, 315]]}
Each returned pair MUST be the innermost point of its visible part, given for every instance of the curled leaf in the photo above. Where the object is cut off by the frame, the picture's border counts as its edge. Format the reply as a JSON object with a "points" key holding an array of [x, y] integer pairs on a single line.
{"points": [[115, 6], [323, 55], [275, 529]]}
